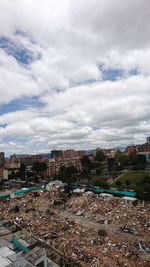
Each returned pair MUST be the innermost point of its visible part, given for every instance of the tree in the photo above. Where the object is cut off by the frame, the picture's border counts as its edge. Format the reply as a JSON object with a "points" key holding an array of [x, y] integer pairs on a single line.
{"points": [[62, 169], [141, 161], [12, 175], [86, 164], [71, 170], [118, 183], [143, 188], [138, 162], [134, 160], [39, 167], [67, 174], [100, 156], [89, 178], [100, 182], [61, 174], [127, 182], [112, 164], [22, 171], [122, 158]]}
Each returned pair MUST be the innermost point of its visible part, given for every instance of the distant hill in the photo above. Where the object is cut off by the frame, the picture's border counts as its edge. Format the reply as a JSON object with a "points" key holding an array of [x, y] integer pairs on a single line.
{"points": [[46, 155]]}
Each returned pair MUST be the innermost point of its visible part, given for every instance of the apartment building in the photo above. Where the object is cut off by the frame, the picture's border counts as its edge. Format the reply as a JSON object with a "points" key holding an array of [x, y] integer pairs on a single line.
{"points": [[12, 163], [54, 166], [3, 174], [143, 149], [59, 155], [69, 154]]}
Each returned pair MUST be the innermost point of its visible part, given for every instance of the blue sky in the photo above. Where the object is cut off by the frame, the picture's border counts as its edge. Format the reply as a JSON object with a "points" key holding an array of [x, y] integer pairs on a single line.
{"points": [[73, 75], [21, 54], [20, 104]]}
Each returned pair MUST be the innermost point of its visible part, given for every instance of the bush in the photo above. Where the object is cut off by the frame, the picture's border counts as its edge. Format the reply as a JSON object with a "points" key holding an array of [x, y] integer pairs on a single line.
{"points": [[100, 182], [127, 182], [143, 189], [118, 183]]}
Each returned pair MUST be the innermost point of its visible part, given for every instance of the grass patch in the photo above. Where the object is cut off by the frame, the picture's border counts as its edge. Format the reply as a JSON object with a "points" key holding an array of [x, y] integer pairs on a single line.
{"points": [[130, 180]]}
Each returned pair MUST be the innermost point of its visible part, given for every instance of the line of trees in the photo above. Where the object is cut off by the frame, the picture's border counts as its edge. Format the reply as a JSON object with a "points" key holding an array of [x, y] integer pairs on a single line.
{"points": [[67, 174], [37, 170], [133, 161]]}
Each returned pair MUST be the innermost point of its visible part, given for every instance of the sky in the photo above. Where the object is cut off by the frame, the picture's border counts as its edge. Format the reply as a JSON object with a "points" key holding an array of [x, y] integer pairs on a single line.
{"points": [[73, 74]]}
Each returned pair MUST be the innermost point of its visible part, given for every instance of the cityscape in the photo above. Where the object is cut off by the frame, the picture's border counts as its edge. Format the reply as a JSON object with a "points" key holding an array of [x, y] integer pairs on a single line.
{"points": [[74, 133], [57, 159]]}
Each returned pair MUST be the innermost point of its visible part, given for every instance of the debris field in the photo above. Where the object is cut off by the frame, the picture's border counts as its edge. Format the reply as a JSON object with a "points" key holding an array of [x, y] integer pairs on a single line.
{"points": [[90, 229]]}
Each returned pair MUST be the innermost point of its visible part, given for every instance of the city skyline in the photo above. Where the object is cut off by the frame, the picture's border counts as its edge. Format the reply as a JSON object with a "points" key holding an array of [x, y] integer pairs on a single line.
{"points": [[73, 75]]}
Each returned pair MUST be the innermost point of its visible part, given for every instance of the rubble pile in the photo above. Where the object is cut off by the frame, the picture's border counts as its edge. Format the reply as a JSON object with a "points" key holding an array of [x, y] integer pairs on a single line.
{"points": [[114, 210], [106, 232]]}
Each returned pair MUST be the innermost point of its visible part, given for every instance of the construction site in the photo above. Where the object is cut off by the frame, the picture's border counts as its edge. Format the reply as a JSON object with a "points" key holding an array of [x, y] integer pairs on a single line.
{"points": [[79, 229]]}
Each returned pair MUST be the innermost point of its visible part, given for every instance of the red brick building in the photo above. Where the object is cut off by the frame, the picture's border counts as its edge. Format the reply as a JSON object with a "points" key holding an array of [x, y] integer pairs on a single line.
{"points": [[54, 166], [143, 149], [69, 154]]}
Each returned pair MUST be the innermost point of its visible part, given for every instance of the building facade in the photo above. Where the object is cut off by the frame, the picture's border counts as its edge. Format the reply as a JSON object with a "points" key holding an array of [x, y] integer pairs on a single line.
{"points": [[69, 154], [143, 149], [57, 155], [54, 166], [3, 174]]}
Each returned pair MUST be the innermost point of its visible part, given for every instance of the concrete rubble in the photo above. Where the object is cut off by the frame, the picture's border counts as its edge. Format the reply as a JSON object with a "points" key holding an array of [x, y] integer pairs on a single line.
{"points": [[89, 230]]}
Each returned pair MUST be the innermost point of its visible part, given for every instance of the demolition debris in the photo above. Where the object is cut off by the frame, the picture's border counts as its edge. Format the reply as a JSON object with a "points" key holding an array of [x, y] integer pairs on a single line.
{"points": [[83, 229]]}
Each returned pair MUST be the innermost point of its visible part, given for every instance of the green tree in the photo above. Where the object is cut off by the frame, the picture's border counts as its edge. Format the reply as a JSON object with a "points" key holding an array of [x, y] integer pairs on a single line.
{"points": [[100, 182], [137, 162], [118, 183], [112, 165], [22, 171], [86, 164], [143, 188], [62, 174], [100, 156], [127, 182], [39, 168], [71, 170], [12, 175], [43, 166], [122, 158], [141, 161], [67, 174]]}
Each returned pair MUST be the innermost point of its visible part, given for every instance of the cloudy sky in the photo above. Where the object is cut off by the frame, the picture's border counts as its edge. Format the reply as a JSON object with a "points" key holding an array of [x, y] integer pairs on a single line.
{"points": [[73, 74]]}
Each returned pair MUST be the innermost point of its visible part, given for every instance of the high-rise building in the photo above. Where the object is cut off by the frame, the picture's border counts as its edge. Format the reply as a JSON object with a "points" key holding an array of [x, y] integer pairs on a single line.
{"points": [[148, 140], [57, 154]]}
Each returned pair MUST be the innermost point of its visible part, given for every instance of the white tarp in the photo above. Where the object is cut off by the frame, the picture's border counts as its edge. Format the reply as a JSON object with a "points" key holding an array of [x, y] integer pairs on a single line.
{"points": [[130, 198], [78, 190], [52, 184], [106, 195]]}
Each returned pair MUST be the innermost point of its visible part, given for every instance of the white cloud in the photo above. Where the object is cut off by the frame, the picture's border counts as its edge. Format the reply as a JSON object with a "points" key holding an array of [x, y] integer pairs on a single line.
{"points": [[73, 39]]}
